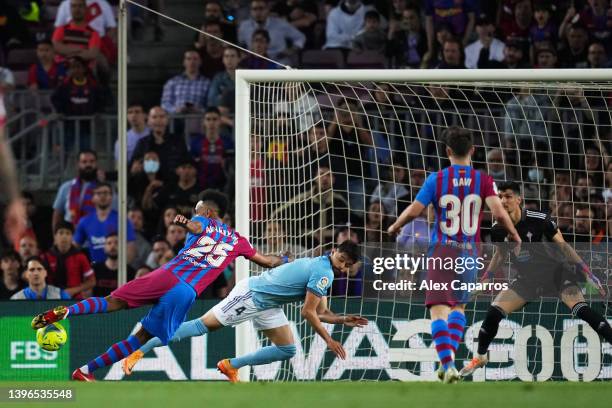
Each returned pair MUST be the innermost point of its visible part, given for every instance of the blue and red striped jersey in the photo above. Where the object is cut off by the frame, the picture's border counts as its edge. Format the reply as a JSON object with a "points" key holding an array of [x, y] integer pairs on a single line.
{"points": [[457, 194], [207, 254]]}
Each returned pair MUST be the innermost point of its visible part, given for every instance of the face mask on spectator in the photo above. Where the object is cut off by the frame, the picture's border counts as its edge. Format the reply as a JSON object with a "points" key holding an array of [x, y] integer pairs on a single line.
{"points": [[151, 166], [535, 175]]}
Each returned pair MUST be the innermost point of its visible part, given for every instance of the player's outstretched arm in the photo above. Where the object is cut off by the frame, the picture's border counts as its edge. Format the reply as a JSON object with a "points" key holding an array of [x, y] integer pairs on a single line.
{"points": [[502, 217], [270, 261], [309, 313], [573, 256], [192, 226], [409, 214], [327, 316]]}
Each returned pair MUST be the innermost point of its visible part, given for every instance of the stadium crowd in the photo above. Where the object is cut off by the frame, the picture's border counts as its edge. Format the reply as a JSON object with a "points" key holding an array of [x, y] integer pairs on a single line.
{"points": [[76, 57]]}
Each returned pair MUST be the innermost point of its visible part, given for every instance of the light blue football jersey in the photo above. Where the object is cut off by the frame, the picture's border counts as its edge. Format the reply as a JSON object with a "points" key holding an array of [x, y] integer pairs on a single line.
{"points": [[289, 282]]}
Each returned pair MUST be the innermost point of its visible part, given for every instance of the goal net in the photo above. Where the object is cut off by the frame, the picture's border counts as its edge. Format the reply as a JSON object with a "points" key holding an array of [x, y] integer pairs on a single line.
{"points": [[325, 156]]}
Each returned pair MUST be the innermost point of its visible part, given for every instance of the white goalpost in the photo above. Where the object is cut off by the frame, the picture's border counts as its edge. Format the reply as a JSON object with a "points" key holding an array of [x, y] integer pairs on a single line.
{"points": [[326, 152]]}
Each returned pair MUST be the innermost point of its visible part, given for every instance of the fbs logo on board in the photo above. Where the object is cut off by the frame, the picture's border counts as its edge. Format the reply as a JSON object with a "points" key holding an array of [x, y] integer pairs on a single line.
{"points": [[21, 358]]}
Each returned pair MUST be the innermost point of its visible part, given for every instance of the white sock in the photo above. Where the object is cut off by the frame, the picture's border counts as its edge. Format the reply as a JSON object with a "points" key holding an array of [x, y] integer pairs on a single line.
{"points": [[84, 369]]}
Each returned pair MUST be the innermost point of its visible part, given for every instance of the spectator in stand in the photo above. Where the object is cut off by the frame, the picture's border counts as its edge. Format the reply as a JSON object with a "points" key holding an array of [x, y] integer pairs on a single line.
{"points": [[210, 50], [280, 32], [324, 207], [7, 83], [13, 30], [37, 289], [213, 11], [169, 148], [595, 16], [431, 59], [100, 17], [259, 45], [543, 29], [184, 194], [513, 58], [77, 38], [211, 151], [68, 266], [517, 31], [167, 218], [372, 37], [145, 178], [586, 228], [461, 17], [598, 57], [344, 22], [376, 223], [452, 55], [224, 82], [186, 93], [175, 235], [391, 189], [10, 266], [276, 241], [74, 197], [575, 55], [47, 73], [408, 40], [78, 95], [107, 270], [28, 247], [396, 13], [485, 44], [92, 230], [143, 247], [160, 252], [38, 225], [546, 58], [137, 119], [303, 15]]}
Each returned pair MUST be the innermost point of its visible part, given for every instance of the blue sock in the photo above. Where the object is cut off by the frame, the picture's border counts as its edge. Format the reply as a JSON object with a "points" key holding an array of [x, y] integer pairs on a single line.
{"points": [[191, 328], [265, 355], [88, 306], [439, 332], [456, 324]]}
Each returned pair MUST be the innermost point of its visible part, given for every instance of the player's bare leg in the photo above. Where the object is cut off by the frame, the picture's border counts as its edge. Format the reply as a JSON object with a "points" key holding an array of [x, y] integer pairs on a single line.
{"points": [[505, 303], [573, 298], [107, 304]]}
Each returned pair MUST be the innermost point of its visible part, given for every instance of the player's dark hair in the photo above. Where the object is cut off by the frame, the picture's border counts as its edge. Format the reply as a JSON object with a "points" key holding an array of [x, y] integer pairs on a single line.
{"points": [[63, 225], [350, 249], [510, 185], [217, 198], [459, 140]]}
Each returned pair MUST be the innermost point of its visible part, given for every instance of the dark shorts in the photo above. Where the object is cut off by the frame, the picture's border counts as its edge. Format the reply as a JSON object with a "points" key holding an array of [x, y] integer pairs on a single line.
{"points": [[548, 284]]}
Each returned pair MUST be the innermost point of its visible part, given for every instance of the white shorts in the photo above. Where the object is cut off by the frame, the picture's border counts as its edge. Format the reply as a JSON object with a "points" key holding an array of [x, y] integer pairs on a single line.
{"points": [[238, 307]]}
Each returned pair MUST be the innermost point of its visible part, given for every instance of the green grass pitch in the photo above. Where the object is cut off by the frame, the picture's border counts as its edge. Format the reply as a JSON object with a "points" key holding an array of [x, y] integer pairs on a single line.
{"points": [[329, 394]]}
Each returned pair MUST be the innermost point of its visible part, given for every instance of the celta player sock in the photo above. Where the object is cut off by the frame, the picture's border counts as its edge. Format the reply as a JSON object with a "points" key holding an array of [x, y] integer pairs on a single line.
{"points": [[191, 328], [265, 355]]}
